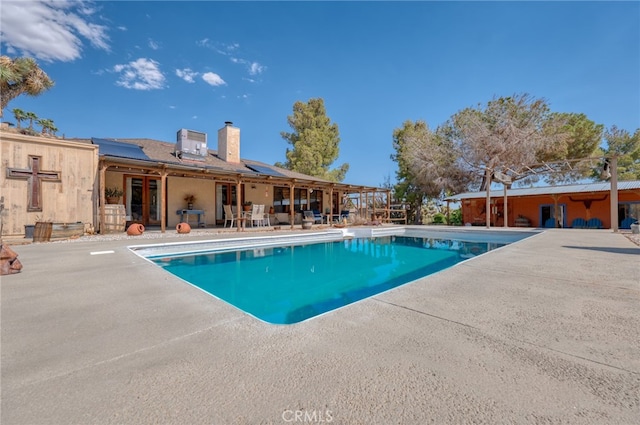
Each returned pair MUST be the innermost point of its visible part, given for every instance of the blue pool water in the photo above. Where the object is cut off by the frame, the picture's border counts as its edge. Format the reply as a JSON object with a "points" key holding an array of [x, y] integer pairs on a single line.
{"points": [[288, 284]]}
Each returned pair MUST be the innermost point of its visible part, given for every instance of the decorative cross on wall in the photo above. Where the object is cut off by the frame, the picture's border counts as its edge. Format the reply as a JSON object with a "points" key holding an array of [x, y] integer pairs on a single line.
{"points": [[34, 178]]}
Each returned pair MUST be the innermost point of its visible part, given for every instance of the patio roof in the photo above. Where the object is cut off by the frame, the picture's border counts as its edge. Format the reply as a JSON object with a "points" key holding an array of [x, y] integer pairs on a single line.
{"points": [[157, 156], [549, 190]]}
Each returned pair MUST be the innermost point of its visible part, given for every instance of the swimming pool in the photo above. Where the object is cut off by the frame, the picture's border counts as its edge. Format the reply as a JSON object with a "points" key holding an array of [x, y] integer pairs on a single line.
{"points": [[290, 279]]}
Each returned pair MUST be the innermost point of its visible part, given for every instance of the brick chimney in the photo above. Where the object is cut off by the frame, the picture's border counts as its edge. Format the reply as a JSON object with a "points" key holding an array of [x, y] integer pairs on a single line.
{"points": [[229, 143]]}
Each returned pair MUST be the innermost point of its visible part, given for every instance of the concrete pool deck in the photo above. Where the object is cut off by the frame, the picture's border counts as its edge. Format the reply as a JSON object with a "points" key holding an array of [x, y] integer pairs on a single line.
{"points": [[543, 331]]}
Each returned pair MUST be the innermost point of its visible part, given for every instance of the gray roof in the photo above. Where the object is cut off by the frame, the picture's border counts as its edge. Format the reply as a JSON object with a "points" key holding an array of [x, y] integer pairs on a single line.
{"points": [[549, 190], [157, 151]]}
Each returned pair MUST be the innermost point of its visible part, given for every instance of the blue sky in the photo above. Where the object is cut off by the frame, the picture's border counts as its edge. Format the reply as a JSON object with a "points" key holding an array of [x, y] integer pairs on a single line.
{"points": [[146, 69]]}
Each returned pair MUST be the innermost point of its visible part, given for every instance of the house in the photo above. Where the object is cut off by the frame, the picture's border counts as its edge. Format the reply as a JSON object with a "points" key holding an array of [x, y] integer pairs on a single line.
{"points": [[576, 205], [64, 180]]}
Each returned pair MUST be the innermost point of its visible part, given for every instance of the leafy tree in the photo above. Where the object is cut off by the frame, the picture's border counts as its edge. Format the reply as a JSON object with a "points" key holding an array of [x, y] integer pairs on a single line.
{"points": [[627, 148], [518, 136], [21, 76], [314, 142], [427, 166], [406, 187], [19, 115], [579, 138]]}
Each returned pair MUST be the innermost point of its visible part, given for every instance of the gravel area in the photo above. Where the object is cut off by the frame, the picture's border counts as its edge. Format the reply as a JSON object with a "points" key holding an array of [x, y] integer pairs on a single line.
{"points": [[635, 238]]}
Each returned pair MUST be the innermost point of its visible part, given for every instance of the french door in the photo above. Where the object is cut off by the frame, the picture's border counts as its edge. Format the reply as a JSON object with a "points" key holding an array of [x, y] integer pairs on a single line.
{"points": [[548, 215], [225, 195], [143, 200]]}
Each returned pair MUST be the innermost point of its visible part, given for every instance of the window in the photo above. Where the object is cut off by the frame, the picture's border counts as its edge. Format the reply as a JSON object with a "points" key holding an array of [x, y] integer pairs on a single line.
{"points": [[628, 212], [281, 201]]}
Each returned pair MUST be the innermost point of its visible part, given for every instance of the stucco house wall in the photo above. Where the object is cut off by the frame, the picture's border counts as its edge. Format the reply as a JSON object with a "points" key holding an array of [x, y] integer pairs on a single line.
{"points": [[529, 207], [71, 200]]}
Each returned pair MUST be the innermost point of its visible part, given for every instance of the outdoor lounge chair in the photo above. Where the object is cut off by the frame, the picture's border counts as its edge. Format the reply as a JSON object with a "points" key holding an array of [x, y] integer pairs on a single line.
{"points": [[594, 223], [579, 223], [550, 223], [229, 216]]}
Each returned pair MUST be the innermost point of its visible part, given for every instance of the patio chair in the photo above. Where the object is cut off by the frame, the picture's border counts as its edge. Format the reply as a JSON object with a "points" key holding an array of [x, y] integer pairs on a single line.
{"points": [[265, 217], [313, 215], [550, 223], [594, 223], [579, 223], [257, 215], [229, 216]]}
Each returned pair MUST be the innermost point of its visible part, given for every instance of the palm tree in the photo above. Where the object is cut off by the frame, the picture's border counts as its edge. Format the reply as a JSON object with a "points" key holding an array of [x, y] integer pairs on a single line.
{"points": [[47, 126], [18, 76], [19, 115], [45, 123], [31, 117]]}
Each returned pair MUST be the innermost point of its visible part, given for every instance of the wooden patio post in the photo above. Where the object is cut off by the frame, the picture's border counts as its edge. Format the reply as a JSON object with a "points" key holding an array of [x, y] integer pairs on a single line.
{"points": [[487, 212], [292, 211], [505, 213], [388, 206], [163, 197], [103, 200], [330, 217], [239, 222], [614, 193], [556, 211]]}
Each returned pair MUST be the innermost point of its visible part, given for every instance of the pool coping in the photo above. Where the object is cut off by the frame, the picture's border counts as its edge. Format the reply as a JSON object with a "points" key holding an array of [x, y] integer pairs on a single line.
{"points": [[155, 252]]}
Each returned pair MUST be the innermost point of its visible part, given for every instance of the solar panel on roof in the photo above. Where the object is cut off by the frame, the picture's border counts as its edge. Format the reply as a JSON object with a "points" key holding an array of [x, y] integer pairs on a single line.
{"points": [[263, 169], [119, 149]]}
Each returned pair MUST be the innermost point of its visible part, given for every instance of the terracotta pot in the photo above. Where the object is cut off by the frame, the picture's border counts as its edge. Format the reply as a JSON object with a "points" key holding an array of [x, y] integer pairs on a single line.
{"points": [[136, 229], [183, 228]]}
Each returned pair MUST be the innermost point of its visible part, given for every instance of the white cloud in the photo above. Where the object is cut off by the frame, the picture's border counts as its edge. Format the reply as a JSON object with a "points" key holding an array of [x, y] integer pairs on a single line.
{"points": [[187, 74], [255, 68], [141, 74], [213, 79], [50, 31], [154, 44]]}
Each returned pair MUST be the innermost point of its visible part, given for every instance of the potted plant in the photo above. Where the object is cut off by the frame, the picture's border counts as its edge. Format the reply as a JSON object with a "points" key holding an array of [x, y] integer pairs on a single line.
{"points": [[190, 198], [247, 205], [113, 194]]}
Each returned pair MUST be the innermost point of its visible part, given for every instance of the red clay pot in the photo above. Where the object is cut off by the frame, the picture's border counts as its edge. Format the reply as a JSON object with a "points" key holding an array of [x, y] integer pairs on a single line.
{"points": [[136, 229], [183, 228]]}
